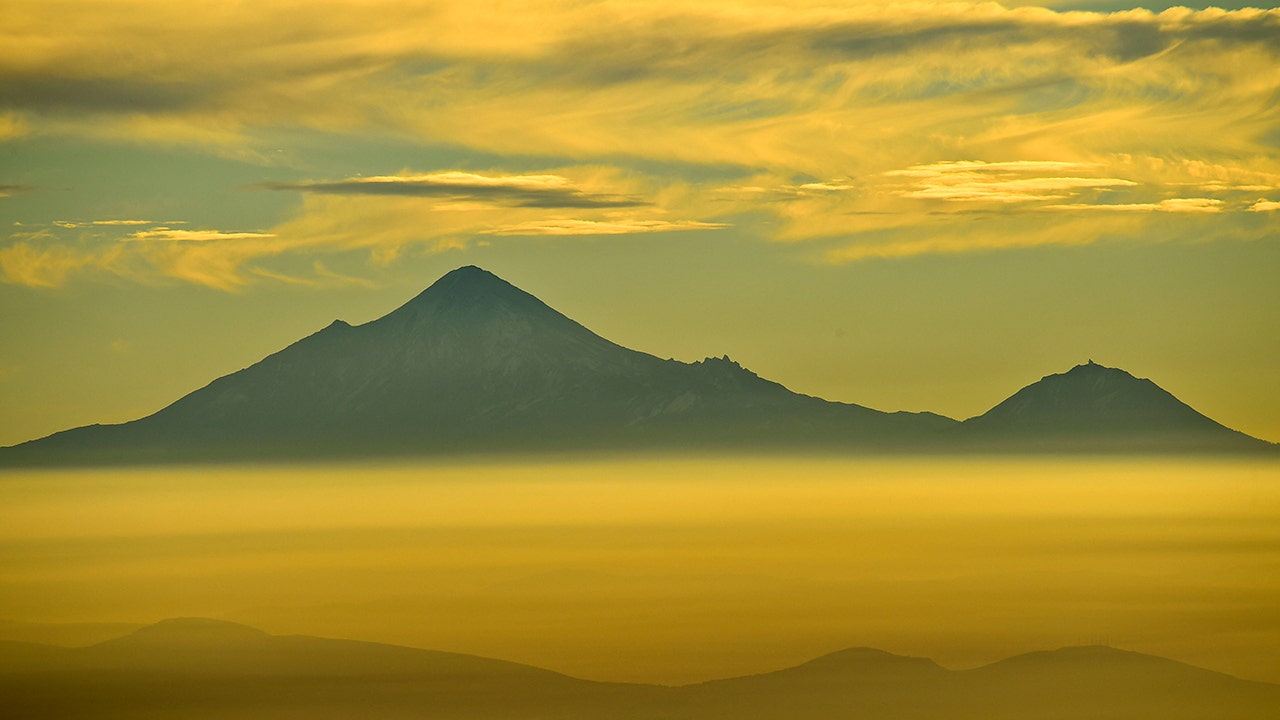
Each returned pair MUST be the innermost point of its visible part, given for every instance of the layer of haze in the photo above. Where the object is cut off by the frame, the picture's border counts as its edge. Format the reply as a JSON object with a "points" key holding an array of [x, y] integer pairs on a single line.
{"points": [[673, 570]]}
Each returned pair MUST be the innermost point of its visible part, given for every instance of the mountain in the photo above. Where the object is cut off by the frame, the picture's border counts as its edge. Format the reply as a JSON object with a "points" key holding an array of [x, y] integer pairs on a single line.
{"points": [[475, 365], [208, 669], [1091, 407], [198, 668]]}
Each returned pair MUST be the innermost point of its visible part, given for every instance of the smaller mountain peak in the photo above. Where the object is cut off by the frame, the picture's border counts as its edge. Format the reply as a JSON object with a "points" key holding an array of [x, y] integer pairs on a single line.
{"points": [[1093, 655], [191, 631], [864, 659]]}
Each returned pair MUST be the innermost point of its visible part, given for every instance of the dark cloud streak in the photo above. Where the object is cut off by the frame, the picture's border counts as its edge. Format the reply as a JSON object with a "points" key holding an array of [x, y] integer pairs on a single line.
{"points": [[531, 197], [53, 93]]}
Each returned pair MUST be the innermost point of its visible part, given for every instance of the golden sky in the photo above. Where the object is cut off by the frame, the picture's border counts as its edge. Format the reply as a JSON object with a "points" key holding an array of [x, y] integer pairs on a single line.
{"points": [[919, 205]]}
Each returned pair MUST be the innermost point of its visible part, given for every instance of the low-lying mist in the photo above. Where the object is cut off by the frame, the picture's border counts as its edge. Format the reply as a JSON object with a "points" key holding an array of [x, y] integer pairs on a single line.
{"points": [[670, 570]]}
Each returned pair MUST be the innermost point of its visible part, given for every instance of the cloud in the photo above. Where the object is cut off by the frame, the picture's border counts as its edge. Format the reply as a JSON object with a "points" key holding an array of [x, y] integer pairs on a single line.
{"points": [[1172, 205], [11, 190], [1265, 206], [167, 234], [540, 191], [322, 277], [950, 167], [977, 181], [601, 227], [825, 122], [759, 83], [71, 225], [51, 257], [771, 190], [41, 93], [12, 126], [380, 218], [44, 265], [1170, 223]]}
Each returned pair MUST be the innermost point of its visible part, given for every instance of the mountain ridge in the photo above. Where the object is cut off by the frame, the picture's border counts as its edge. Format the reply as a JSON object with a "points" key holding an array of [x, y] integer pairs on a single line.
{"points": [[473, 364], [239, 671]]}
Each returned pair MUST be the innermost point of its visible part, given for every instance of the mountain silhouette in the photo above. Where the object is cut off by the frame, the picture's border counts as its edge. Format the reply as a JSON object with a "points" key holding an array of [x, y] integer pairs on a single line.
{"points": [[1099, 408], [474, 364], [213, 670]]}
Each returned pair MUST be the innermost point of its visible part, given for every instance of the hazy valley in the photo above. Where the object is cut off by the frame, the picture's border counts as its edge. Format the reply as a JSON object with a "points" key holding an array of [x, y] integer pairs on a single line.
{"points": [[669, 570]]}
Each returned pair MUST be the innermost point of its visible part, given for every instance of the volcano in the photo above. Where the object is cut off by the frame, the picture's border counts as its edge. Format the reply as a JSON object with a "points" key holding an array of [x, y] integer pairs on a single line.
{"points": [[474, 364], [1097, 408]]}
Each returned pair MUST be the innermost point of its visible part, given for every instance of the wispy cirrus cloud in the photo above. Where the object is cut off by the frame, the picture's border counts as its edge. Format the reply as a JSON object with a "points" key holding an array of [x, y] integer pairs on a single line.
{"points": [[601, 227], [1001, 182], [1172, 205], [168, 234], [72, 224], [592, 79], [43, 265], [840, 120], [377, 216], [50, 256], [120, 222]]}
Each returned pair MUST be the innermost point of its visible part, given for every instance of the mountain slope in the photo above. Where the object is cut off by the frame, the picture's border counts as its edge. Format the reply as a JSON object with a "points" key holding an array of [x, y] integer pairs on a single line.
{"points": [[209, 669], [195, 668], [1092, 407], [475, 364]]}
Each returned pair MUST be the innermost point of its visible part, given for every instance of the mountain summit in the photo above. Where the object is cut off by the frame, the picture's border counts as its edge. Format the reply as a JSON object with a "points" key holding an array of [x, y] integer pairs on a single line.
{"points": [[1099, 408], [474, 364]]}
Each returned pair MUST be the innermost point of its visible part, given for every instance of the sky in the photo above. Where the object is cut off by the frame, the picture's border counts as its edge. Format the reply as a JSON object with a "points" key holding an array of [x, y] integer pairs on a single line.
{"points": [[910, 206]]}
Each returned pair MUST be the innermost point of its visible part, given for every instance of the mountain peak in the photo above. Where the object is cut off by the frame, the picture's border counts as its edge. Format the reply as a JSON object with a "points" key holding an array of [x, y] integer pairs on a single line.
{"points": [[862, 659], [471, 302], [466, 283], [191, 631], [469, 274], [1092, 405]]}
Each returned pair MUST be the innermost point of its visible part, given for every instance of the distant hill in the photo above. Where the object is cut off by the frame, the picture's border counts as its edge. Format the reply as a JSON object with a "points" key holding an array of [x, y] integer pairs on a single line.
{"points": [[194, 668], [476, 365], [1091, 407]]}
